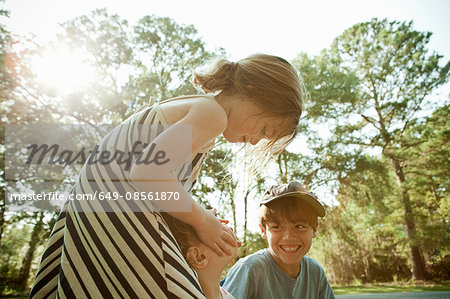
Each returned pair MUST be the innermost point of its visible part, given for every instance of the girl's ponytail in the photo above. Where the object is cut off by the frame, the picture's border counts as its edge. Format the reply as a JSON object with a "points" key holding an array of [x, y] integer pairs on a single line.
{"points": [[218, 77]]}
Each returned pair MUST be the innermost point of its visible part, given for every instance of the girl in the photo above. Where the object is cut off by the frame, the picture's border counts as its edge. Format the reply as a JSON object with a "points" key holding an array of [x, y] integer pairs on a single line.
{"points": [[119, 249]]}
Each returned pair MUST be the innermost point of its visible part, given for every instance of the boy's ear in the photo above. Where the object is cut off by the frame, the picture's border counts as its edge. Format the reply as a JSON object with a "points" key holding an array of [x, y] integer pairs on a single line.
{"points": [[196, 258], [314, 232], [263, 231]]}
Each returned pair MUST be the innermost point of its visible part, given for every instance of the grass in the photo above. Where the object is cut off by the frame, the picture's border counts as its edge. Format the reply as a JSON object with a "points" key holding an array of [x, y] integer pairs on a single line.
{"points": [[394, 287]]}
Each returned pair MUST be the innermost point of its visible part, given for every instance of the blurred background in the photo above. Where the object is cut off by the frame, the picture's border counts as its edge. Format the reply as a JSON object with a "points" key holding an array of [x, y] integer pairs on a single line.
{"points": [[373, 141]]}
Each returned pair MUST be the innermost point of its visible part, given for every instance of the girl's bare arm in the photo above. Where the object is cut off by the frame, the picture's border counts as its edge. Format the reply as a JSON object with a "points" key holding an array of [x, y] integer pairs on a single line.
{"points": [[206, 120]]}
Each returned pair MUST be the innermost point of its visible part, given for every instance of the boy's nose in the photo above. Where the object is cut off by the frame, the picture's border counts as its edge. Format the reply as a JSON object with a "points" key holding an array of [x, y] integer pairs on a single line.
{"points": [[288, 233]]}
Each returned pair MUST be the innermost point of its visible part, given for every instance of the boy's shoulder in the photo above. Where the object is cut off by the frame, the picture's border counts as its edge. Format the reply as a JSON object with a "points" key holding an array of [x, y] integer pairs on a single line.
{"points": [[312, 266], [246, 277], [256, 261], [311, 261]]}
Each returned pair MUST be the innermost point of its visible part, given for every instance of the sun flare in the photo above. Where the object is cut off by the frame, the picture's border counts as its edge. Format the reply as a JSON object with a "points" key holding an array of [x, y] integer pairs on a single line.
{"points": [[63, 70]]}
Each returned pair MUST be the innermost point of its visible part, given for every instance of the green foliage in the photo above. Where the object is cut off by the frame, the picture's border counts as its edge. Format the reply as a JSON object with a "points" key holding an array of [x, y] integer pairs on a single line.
{"points": [[170, 53], [429, 186], [438, 268], [331, 91], [106, 43], [24, 238], [395, 73], [370, 89], [253, 244], [5, 80], [120, 58], [13, 245], [155, 57], [362, 238]]}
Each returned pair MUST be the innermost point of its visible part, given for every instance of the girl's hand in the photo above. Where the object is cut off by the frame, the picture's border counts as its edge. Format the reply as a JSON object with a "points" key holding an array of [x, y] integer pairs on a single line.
{"points": [[223, 221], [214, 234], [231, 230]]}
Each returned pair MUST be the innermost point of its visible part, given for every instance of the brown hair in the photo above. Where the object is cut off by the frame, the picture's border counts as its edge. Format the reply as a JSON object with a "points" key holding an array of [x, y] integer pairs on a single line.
{"points": [[184, 233], [271, 81], [291, 208]]}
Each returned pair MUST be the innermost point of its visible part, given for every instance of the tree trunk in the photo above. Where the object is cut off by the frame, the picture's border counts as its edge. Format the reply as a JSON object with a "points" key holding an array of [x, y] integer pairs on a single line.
{"points": [[244, 241], [233, 211], [418, 266], [2, 214], [34, 241], [283, 172]]}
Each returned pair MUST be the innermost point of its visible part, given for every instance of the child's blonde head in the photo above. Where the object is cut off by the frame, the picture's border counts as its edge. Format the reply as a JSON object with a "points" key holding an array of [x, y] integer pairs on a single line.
{"points": [[270, 81]]}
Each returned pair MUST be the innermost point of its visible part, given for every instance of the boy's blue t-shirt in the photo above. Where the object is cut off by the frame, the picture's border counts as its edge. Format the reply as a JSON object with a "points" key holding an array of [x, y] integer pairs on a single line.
{"points": [[259, 276]]}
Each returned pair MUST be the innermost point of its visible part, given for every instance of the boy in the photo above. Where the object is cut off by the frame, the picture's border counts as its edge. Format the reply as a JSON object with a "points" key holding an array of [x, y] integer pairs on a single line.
{"points": [[288, 220], [204, 261]]}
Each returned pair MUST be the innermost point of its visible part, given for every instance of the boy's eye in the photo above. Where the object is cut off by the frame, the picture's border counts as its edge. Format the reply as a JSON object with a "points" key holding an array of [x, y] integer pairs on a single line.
{"points": [[301, 226], [275, 226]]}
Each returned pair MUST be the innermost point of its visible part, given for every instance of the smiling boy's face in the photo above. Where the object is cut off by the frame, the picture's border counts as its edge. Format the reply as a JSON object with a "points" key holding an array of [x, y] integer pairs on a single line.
{"points": [[288, 242]]}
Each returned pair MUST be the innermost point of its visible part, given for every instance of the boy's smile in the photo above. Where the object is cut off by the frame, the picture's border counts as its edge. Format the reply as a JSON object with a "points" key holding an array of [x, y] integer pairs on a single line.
{"points": [[288, 243], [289, 249]]}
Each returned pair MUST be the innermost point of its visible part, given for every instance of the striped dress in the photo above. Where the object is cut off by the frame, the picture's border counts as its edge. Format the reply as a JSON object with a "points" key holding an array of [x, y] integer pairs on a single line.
{"points": [[129, 254]]}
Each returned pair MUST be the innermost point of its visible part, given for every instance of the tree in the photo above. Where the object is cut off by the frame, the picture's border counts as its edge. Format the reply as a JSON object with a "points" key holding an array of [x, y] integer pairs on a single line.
{"points": [[14, 78], [5, 79], [155, 57], [429, 186], [362, 238], [106, 42], [388, 76], [5, 85], [169, 54], [109, 45], [24, 272]]}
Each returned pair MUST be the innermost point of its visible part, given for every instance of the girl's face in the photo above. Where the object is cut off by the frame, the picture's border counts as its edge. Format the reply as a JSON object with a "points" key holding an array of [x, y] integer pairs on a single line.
{"points": [[247, 123]]}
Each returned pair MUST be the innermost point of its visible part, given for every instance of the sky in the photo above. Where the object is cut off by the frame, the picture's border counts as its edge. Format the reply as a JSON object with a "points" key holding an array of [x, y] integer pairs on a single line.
{"points": [[243, 27]]}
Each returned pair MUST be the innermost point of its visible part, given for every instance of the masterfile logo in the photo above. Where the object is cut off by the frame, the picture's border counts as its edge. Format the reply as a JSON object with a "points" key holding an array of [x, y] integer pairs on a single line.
{"points": [[48, 164]]}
